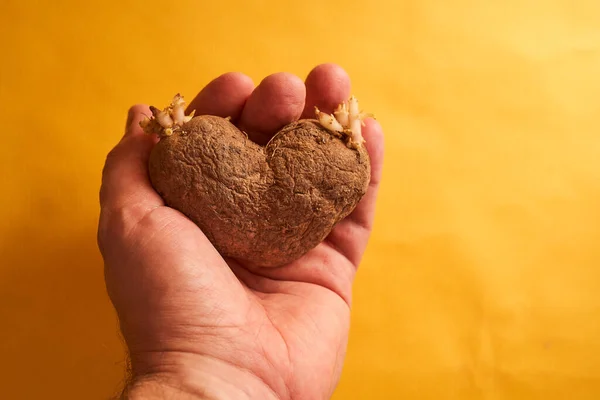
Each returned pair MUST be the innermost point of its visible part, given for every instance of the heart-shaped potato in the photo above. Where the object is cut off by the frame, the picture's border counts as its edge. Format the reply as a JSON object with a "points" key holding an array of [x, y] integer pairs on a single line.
{"points": [[266, 205]]}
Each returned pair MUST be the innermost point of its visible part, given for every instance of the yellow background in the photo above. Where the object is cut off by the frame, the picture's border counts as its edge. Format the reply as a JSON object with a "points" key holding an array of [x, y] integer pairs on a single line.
{"points": [[482, 280]]}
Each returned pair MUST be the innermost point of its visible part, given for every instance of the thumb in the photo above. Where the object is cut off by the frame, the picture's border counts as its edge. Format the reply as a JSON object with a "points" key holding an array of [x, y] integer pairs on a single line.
{"points": [[126, 194], [125, 181]]}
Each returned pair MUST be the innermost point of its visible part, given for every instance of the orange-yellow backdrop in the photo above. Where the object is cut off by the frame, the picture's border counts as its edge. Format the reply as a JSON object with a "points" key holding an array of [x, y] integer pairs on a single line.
{"points": [[482, 280]]}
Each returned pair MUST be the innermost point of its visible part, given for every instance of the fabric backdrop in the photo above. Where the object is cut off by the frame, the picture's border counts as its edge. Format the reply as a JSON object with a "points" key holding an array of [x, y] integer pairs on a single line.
{"points": [[482, 279]]}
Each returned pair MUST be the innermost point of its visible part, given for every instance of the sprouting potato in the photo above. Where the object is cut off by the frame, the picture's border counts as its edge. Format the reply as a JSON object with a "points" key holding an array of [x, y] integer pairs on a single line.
{"points": [[265, 205]]}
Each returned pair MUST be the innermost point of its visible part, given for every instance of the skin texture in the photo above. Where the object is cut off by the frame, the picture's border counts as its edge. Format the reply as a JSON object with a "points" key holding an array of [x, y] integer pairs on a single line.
{"points": [[266, 206], [201, 326]]}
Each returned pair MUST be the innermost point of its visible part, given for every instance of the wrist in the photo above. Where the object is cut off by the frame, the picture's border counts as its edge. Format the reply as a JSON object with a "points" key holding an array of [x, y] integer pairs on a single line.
{"points": [[194, 377]]}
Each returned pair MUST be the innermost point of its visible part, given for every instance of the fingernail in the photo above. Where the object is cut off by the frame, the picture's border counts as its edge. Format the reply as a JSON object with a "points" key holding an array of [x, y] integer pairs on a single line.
{"points": [[130, 116]]}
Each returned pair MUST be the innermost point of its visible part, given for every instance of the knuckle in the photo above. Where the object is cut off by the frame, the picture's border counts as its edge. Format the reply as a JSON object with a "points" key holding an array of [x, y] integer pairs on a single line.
{"points": [[110, 164], [116, 225], [111, 158]]}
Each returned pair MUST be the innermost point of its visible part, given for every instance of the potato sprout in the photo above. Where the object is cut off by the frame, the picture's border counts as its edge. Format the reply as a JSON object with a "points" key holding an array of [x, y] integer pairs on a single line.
{"points": [[347, 119], [165, 122]]}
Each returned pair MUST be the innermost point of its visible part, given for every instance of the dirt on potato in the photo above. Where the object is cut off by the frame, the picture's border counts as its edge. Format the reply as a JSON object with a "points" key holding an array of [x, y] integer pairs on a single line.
{"points": [[264, 205]]}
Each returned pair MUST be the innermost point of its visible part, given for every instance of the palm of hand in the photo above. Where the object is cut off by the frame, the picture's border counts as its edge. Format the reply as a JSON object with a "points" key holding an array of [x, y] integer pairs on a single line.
{"points": [[287, 327]]}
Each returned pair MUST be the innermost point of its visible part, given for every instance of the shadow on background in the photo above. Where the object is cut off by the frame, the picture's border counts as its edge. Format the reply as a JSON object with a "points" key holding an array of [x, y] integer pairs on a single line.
{"points": [[59, 335]]}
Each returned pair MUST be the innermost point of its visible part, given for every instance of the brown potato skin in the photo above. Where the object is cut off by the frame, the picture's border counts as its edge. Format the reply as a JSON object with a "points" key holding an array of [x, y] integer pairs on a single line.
{"points": [[268, 205]]}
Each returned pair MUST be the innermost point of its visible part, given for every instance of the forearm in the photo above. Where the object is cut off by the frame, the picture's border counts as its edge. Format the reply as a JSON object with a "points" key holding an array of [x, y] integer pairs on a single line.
{"points": [[193, 377]]}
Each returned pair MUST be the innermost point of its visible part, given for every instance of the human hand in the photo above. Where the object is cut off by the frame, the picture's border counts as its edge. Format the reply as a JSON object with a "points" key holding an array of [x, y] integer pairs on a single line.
{"points": [[201, 326]]}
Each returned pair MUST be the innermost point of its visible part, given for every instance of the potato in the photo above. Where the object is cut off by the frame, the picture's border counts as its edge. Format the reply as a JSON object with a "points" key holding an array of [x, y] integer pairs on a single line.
{"points": [[264, 205]]}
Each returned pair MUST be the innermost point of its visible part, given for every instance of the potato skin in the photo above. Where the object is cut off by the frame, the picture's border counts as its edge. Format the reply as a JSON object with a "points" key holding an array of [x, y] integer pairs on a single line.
{"points": [[266, 206]]}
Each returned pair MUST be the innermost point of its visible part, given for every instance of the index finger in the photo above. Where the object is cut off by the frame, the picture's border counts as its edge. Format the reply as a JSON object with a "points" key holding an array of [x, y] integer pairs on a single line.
{"points": [[225, 96]]}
